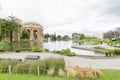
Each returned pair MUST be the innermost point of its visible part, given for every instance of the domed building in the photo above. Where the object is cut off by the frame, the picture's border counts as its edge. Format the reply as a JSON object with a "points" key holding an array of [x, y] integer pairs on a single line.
{"points": [[35, 30]]}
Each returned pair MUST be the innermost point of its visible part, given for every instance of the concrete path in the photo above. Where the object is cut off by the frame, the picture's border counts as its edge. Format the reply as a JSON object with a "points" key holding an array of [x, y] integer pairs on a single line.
{"points": [[106, 63]]}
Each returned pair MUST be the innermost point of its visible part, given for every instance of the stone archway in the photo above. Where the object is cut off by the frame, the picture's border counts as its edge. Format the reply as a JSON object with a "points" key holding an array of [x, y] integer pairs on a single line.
{"points": [[35, 30], [28, 31], [35, 34]]}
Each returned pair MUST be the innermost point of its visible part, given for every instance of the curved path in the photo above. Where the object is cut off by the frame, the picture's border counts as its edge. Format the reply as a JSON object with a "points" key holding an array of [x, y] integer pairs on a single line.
{"points": [[105, 63]]}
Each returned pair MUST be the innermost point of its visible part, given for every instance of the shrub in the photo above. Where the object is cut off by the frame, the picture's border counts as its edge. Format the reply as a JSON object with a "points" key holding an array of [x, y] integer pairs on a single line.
{"points": [[3, 46], [99, 47], [66, 52], [57, 51], [23, 49], [112, 52], [47, 50], [18, 50], [116, 51], [37, 49], [2, 50], [109, 52], [3, 43]]}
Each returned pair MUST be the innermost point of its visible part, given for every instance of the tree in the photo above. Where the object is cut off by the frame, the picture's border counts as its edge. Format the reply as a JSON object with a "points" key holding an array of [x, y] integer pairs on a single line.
{"points": [[82, 36], [8, 27], [47, 35], [2, 28], [25, 34], [12, 27], [59, 37], [66, 37], [109, 35], [53, 37]]}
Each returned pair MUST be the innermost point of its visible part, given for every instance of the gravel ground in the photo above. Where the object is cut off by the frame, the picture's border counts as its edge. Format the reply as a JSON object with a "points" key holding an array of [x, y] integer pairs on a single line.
{"points": [[103, 63]]}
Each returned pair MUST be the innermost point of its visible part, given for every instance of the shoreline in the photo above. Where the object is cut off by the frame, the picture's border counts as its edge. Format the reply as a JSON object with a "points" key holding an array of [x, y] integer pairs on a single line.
{"points": [[88, 49]]}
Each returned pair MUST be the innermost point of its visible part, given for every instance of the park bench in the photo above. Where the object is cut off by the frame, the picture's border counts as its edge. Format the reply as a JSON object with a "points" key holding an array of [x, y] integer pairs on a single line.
{"points": [[32, 57]]}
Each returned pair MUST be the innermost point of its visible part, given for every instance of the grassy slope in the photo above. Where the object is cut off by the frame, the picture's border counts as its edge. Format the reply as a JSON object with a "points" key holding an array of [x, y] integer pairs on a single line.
{"points": [[108, 75]]}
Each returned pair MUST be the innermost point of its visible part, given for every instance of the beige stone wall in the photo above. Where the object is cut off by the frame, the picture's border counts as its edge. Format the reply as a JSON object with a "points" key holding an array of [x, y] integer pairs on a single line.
{"points": [[33, 26]]}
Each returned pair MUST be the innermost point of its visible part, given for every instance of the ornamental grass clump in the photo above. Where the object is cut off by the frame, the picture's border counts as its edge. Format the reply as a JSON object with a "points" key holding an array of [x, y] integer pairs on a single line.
{"points": [[99, 73], [56, 62], [70, 72], [61, 73], [89, 75], [80, 75], [50, 72], [83, 73], [22, 68], [4, 64], [33, 68]]}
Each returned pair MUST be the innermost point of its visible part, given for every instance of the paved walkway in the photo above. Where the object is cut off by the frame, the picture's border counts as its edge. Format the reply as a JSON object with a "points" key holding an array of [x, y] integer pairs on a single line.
{"points": [[113, 63]]}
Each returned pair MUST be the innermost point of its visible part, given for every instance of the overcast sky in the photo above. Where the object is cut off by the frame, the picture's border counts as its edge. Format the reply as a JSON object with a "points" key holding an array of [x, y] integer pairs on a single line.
{"points": [[66, 16]]}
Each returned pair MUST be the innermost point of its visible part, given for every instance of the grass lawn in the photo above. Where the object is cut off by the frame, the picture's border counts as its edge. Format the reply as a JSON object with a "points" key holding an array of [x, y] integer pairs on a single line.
{"points": [[108, 75]]}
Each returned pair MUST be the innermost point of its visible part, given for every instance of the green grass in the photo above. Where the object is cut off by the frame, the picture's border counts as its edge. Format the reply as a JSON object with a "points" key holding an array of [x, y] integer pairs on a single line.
{"points": [[108, 75], [30, 77]]}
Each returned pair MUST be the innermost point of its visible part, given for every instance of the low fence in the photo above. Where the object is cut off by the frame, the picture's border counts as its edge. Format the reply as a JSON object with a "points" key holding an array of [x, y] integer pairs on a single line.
{"points": [[10, 70]]}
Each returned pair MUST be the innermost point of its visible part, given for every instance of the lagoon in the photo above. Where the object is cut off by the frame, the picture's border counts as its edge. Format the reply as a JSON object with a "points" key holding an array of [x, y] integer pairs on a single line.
{"points": [[58, 45], [54, 45]]}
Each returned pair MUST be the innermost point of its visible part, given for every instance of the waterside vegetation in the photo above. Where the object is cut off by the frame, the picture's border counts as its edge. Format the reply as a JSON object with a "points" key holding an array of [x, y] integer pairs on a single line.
{"points": [[66, 52]]}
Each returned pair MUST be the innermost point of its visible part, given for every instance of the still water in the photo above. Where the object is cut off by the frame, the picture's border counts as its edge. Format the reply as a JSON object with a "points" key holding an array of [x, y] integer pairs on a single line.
{"points": [[56, 45]]}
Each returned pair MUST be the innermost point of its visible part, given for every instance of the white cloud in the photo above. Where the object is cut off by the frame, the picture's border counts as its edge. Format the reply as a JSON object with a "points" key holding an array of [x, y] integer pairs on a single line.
{"points": [[66, 16]]}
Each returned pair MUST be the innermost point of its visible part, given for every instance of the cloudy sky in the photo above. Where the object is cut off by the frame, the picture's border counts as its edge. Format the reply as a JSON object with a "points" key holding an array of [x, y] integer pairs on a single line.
{"points": [[66, 16]]}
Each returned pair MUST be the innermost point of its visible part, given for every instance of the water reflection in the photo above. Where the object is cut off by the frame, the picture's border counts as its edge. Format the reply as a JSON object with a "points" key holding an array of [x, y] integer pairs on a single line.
{"points": [[57, 45], [22, 45]]}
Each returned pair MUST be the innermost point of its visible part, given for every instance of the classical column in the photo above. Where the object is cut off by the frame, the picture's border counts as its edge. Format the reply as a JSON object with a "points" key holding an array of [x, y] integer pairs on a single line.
{"points": [[31, 34], [40, 34], [37, 34]]}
